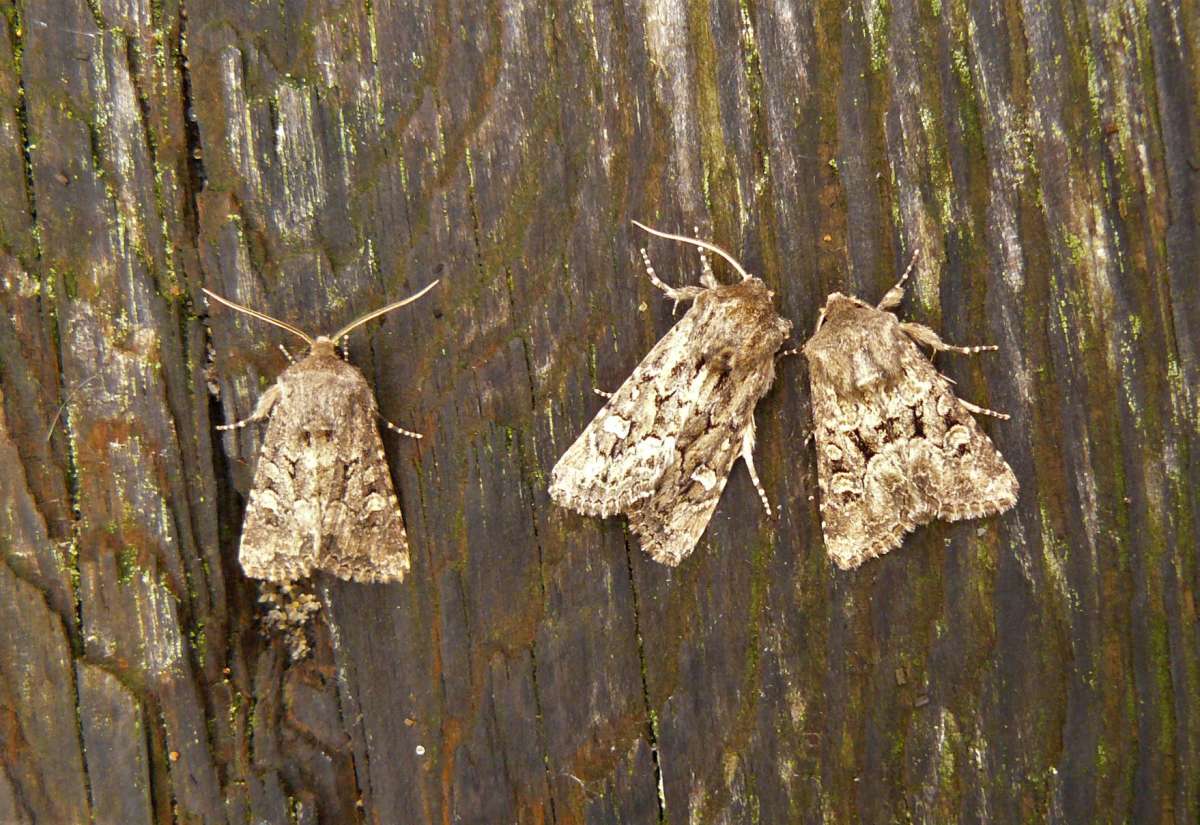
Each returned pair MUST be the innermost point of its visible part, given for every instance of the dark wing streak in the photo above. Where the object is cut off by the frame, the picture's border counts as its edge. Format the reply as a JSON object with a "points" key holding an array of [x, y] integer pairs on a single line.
{"points": [[671, 522]]}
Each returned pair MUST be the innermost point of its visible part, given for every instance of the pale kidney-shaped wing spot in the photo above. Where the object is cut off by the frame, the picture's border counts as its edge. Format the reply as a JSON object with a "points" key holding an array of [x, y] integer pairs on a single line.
{"points": [[943, 405], [706, 477], [957, 436], [913, 388], [266, 498], [375, 503], [616, 425], [652, 445], [833, 452], [870, 419], [306, 512], [596, 464], [843, 483]]}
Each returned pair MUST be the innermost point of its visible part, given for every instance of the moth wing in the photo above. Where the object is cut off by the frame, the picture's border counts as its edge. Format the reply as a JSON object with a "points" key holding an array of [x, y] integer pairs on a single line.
{"points": [[278, 541], [362, 528], [969, 478], [911, 454], [622, 454], [670, 523]]}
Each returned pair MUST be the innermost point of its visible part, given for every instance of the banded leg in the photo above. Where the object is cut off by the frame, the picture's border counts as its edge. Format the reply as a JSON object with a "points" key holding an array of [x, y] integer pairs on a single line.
{"points": [[237, 425], [261, 410], [895, 295], [924, 335], [748, 457], [603, 393], [397, 429], [975, 408], [707, 278], [679, 295], [820, 320], [290, 358]]}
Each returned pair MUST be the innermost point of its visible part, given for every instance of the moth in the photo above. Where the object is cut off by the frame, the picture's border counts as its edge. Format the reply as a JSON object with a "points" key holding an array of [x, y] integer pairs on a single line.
{"points": [[322, 496], [661, 449], [896, 448]]}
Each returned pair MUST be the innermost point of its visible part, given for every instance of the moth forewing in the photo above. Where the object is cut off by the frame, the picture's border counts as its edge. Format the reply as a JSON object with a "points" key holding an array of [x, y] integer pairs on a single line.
{"points": [[896, 448], [322, 495], [661, 449]]}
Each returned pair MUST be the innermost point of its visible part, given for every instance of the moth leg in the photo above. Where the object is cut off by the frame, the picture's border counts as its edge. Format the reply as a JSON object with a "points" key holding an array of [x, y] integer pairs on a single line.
{"points": [[397, 429], [687, 293], [290, 358], [237, 425], [984, 410], [924, 335], [748, 457], [261, 410], [707, 278], [820, 320], [602, 393], [346, 348], [785, 353], [895, 295]]}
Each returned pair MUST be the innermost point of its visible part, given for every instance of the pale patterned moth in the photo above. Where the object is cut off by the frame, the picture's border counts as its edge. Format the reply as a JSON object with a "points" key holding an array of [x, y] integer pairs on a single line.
{"points": [[661, 450], [896, 448], [322, 495]]}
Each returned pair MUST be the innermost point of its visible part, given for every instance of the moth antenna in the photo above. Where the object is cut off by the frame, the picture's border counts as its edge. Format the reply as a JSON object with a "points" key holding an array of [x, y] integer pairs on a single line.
{"points": [[697, 242], [371, 316], [253, 313]]}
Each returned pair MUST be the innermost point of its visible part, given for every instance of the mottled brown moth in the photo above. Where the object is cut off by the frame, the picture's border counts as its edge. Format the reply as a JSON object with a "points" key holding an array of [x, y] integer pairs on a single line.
{"points": [[896, 448], [322, 495], [661, 450]]}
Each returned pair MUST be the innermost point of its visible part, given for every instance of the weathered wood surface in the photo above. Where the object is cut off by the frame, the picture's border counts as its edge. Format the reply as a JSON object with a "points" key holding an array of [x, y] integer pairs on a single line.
{"points": [[317, 159]]}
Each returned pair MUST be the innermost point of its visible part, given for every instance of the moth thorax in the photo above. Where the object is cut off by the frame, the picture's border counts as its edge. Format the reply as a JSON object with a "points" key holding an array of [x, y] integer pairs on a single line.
{"points": [[865, 371], [322, 346]]}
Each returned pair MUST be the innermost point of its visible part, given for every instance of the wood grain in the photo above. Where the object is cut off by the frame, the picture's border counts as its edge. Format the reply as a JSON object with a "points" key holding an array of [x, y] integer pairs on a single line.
{"points": [[318, 159]]}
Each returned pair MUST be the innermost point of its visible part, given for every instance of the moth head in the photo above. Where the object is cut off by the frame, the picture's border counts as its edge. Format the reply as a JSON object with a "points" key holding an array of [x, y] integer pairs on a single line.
{"points": [[754, 299], [855, 346], [322, 343], [323, 346]]}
